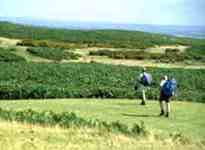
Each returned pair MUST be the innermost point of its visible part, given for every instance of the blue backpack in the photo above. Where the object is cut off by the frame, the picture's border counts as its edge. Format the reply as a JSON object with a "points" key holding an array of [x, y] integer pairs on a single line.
{"points": [[169, 87]]}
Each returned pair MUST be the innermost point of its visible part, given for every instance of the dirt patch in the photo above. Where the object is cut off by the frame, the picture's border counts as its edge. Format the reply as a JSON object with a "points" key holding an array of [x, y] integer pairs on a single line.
{"points": [[8, 42]]}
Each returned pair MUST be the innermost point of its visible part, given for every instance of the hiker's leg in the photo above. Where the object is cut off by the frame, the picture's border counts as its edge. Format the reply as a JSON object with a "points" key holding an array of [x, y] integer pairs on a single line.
{"points": [[168, 109], [161, 104], [143, 97], [161, 107]]}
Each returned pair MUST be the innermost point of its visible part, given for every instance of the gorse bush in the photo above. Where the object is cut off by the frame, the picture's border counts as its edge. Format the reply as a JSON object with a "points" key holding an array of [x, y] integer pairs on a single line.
{"points": [[53, 53], [76, 80], [169, 56], [50, 44], [172, 51], [7, 55], [68, 120]]}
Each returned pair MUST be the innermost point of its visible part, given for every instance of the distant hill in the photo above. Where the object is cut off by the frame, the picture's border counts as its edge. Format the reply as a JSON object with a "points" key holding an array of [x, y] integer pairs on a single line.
{"points": [[180, 31], [94, 38]]}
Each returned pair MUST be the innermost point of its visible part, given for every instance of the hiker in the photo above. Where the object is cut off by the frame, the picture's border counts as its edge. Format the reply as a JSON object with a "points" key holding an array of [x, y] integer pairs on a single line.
{"points": [[144, 81], [167, 90]]}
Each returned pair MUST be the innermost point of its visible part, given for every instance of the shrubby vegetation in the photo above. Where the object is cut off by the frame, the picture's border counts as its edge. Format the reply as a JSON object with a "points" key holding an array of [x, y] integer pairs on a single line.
{"points": [[38, 80], [91, 38], [7, 55], [50, 44], [169, 56], [75, 80], [196, 52], [53, 53], [68, 120]]}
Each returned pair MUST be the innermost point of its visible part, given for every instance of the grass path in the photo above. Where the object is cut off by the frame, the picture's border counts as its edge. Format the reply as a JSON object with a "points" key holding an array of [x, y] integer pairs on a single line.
{"points": [[186, 117]]}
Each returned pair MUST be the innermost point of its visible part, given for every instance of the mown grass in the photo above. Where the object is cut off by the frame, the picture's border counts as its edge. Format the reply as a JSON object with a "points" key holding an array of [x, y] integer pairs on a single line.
{"points": [[186, 118]]}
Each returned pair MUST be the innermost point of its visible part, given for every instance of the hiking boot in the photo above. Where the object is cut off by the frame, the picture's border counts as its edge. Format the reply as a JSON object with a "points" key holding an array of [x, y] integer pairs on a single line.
{"points": [[167, 115], [162, 113], [143, 103]]}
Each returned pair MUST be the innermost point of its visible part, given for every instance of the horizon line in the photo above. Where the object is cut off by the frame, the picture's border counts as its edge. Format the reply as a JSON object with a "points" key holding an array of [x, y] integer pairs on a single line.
{"points": [[91, 21]]}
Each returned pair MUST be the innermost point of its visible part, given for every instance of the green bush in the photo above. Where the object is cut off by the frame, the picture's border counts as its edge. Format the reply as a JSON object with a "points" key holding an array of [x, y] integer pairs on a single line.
{"points": [[68, 120], [50, 44], [172, 51], [75, 80], [121, 54], [196, 53], [7, 55], [171, 55], [53, 53]]}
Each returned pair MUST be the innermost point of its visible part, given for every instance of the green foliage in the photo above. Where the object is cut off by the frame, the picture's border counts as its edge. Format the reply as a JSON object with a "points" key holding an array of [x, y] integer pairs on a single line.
{"points": [[68, 120], [91, 38], [169, 57], [50, 44], [75, 80], [172, 51], [52, 53], [180, 138], [140, 129], [196, 53], [7, 55]]}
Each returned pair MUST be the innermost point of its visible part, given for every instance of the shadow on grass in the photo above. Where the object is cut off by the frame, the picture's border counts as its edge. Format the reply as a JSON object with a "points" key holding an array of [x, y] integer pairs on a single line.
{"points": [[126, 104], [135, 115]]}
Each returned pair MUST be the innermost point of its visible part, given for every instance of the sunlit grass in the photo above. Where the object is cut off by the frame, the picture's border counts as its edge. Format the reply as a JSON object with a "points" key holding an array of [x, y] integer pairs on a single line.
{"points": [[186, 117], [28, 137]]}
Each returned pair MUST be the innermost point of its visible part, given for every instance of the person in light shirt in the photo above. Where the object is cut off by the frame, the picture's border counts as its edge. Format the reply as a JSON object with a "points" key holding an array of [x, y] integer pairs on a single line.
{"points": [[145, 80]]}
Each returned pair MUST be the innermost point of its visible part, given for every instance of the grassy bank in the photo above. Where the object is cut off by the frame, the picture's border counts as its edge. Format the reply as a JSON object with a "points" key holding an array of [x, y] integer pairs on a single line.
{"points": [[24, 136], [186, 118]]}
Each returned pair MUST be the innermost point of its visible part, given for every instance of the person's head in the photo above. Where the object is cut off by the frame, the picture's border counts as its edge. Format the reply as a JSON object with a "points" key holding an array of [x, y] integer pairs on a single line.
{"points": [[165, 77], [144, 69]]}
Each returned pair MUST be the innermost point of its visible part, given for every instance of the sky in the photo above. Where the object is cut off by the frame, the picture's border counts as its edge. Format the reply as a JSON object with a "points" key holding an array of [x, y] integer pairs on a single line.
{"points": [[163, 12]]}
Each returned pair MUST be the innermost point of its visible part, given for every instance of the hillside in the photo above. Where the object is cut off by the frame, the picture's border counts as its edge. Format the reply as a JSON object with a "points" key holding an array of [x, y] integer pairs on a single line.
{"points": [[47, 67], [97, 69], [101, 38]]}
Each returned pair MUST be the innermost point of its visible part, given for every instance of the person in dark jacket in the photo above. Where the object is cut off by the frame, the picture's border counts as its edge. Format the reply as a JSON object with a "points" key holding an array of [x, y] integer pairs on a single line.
{"points": [[165, 96]]}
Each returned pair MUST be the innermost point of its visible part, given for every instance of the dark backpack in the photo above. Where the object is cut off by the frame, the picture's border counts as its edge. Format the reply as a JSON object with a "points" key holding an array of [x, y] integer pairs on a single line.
{"points": [[169, 87]]}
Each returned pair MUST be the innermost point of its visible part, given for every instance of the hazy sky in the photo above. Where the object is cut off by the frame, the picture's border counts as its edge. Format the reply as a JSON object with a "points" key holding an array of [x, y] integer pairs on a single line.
{"points": [[177, 12]]}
